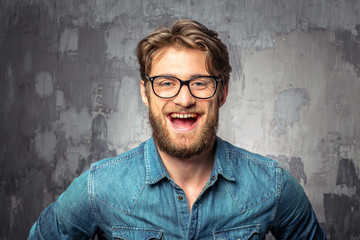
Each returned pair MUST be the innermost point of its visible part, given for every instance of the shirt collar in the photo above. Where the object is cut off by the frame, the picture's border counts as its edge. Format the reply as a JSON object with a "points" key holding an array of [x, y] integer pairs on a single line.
{"points": [[222, 163], [156, 171]]}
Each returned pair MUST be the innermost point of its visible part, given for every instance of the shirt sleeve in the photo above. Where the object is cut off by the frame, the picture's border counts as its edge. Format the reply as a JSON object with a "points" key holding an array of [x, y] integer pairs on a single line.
{"points": [[295, 218], [69, 217]]}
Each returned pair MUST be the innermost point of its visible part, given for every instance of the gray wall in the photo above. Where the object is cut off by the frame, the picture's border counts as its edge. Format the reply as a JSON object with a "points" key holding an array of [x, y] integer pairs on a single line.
{"points": [[69, 94]]}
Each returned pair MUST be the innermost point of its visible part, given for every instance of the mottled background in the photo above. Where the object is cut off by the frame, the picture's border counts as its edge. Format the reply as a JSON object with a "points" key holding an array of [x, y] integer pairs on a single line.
{"points": [[69, 94]]}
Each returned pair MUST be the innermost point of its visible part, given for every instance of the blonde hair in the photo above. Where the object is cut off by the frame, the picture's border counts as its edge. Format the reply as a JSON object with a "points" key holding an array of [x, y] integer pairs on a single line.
{"points": [[190, 34]]}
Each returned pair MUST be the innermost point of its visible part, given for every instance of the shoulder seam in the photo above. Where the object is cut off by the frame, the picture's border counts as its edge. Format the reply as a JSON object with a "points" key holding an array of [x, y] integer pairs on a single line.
{"points": [[279, 192], [123, 157], [253, 157]]}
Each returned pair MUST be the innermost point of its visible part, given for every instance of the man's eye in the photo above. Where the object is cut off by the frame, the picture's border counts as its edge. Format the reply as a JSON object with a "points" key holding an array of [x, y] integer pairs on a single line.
{"points": [[199, 84], [166, 84]]}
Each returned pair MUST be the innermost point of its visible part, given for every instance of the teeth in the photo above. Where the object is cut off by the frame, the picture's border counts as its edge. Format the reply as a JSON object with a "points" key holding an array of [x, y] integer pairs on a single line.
{"points": [[180, 115]]}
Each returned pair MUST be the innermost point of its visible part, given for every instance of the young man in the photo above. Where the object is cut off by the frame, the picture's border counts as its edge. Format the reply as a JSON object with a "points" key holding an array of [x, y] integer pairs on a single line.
{"points": [[184, 182]]}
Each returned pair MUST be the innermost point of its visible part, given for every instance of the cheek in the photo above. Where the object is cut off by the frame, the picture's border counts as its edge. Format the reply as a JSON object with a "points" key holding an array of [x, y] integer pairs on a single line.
{"points": [[156, 107], [213, 105]]}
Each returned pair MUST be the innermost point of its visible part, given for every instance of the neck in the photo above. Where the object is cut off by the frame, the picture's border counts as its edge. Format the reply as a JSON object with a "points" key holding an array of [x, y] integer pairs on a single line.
{"points": [[190, 170]]}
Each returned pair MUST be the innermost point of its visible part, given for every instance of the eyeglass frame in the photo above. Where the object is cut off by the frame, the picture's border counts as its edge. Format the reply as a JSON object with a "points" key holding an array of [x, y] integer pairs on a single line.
{"points": [[183, 82]]}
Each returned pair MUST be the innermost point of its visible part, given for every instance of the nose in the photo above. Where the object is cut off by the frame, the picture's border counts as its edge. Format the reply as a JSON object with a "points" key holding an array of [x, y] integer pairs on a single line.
{"points": [[184, 97]]}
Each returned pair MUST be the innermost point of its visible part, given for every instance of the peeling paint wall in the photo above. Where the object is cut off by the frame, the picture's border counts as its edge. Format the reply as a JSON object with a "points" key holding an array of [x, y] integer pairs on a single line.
{"points": [[70, 96]]}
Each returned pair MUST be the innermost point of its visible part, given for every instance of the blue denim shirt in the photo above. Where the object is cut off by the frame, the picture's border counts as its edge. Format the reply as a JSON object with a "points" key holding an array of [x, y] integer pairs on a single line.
{"points": [[131, 196]]}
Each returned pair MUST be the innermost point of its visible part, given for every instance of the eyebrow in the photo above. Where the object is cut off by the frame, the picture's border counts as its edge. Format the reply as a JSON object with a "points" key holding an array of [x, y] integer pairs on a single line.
{"points": [[192, 76]]}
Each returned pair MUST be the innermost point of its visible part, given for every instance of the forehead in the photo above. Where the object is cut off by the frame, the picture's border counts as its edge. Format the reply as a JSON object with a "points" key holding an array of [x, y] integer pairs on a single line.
{"points": [[179, 60]]}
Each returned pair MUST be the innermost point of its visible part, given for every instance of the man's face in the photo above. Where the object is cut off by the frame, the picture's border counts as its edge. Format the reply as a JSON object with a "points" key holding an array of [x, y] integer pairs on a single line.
{"points": [[183, 126]]}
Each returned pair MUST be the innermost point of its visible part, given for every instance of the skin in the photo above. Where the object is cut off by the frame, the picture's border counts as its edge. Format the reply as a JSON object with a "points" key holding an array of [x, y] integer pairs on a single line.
{"points": [[191, 174]]}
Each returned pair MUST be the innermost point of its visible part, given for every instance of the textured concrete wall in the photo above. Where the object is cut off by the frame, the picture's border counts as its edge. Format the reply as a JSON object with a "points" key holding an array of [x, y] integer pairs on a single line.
{"points": [[69, 94]]}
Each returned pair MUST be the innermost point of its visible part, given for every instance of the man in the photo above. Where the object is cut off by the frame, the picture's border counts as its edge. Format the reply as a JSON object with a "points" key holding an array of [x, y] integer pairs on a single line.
{"points": [[184, 183]]}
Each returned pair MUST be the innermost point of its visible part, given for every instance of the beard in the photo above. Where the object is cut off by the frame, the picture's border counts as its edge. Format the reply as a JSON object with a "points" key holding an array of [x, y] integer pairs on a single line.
{"points": [[203, 141]]}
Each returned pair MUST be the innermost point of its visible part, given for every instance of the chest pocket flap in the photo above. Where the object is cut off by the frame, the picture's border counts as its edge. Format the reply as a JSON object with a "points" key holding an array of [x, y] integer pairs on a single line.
{"points": [[135, 233], [239, 233]]}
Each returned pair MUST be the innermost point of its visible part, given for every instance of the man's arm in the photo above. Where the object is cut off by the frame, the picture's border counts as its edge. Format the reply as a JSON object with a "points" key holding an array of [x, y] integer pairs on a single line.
{"points": [[70, 217], [295, 218]]}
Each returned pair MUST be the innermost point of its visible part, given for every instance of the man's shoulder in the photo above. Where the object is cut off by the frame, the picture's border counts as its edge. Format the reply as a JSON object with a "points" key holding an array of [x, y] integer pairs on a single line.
{"points": [[128, 157], [116, 182], [122, 169], [257, 179]]}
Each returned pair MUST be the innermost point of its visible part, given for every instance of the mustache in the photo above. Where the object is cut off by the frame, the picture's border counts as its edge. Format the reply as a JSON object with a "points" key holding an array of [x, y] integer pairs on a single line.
{"points": [[184, 110]]}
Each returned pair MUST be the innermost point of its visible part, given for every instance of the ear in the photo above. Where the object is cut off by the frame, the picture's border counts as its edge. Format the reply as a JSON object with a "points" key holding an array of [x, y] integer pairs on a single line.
{"points": [[143, 93], [224, 94]]}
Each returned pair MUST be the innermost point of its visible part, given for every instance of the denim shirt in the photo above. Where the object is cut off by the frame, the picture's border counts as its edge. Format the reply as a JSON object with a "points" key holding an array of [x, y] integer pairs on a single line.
{"points": [[131, 196]]}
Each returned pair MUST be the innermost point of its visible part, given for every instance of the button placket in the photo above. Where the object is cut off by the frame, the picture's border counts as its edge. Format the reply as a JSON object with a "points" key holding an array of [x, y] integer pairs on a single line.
{"points": [[182, 209]]}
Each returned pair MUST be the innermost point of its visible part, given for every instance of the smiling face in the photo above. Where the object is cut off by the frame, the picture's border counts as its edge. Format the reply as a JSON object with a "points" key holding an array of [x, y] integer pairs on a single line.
{"points": [[183, 126]]}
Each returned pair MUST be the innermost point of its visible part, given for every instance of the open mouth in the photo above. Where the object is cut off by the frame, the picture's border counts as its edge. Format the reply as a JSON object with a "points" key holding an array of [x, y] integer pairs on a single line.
{"points": [[183, 121]]}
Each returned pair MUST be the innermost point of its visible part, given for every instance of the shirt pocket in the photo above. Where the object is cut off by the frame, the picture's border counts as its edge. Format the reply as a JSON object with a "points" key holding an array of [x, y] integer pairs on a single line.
{"points": [[136, 233], [248, 232]]}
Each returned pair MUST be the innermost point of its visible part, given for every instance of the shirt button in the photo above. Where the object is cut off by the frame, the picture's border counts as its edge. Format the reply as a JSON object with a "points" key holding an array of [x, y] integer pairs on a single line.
{"points": [[213, 178], [180, 198]]}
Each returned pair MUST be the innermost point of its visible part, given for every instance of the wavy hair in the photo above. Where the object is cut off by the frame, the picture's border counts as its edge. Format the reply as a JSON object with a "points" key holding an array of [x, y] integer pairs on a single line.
{"points": [[189, 34]]}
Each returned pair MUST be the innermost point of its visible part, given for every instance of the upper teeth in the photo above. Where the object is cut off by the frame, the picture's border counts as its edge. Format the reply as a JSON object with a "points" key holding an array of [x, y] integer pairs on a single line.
{"points": [[180, 115]]}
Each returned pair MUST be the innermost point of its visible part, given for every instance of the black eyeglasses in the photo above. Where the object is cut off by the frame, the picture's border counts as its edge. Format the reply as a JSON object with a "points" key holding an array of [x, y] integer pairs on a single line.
{"points": [[202, 87]]}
